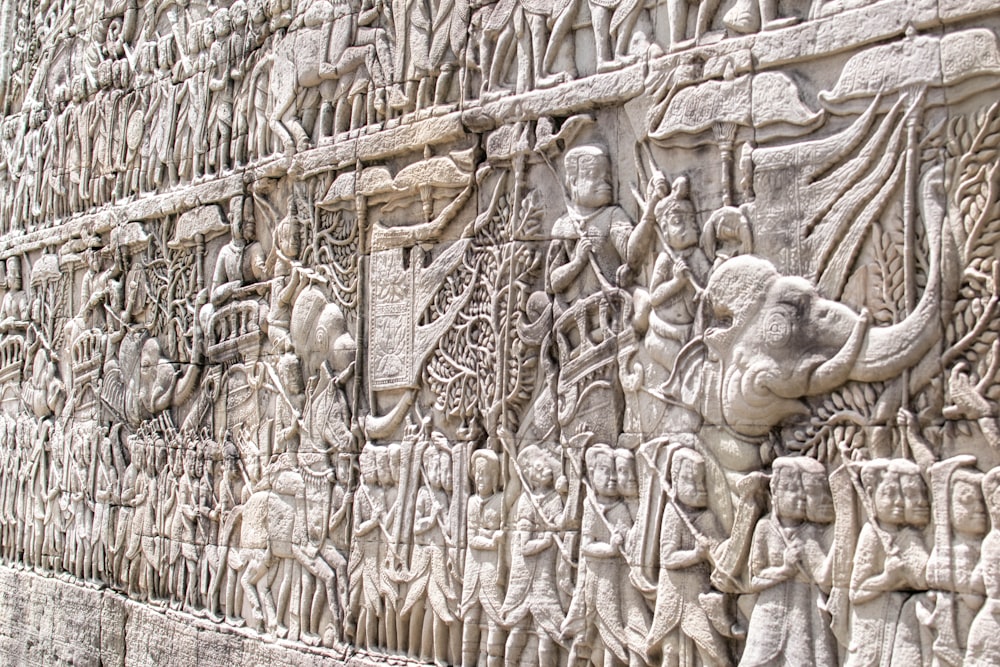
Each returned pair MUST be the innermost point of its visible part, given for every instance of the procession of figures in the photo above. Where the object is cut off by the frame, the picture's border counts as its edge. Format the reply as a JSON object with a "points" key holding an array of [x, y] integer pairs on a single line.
{"points": [[701, 374]]}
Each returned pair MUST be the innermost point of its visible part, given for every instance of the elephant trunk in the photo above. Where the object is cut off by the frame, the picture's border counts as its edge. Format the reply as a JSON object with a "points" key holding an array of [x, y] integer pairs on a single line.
{"points": [[378, 427], [888, 351]]}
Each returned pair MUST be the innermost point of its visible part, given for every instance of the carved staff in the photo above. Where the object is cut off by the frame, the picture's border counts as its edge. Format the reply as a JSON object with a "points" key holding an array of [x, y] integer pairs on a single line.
{"points": [[549, 525], [672, 498], [655, 172], [888, 544]]}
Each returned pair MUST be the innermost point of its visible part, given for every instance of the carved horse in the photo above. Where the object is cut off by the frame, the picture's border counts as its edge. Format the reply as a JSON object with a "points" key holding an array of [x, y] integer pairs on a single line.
{"points": [[313, 61], [270, 535]]}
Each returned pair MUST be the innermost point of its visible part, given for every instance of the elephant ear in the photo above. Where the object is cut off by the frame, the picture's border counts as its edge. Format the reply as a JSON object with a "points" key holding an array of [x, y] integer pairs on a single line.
{"points": [[687, 380]]}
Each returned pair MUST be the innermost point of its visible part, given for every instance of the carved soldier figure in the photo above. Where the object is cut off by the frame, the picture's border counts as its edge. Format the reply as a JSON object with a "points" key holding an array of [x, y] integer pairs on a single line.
{"points": [[960, 523], [983, 646], [367, 552], [14, 307], [389, 471], [666, 311], [590, 241], [533, 603], [890, 562], [431, 601], [285, 284], [605, 606], [481, 591], [288, 407], [790, 567], [241, 267], [689, 533], [220, 85]]}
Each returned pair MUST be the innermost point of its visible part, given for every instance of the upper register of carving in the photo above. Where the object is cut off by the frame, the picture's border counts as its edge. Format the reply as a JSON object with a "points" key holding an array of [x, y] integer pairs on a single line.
{"points": [[518, 332]]}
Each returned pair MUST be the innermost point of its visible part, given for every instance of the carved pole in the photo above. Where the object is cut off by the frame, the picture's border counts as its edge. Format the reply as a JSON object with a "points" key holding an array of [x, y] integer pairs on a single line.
{"points": [[912, 167], [725, 134]]}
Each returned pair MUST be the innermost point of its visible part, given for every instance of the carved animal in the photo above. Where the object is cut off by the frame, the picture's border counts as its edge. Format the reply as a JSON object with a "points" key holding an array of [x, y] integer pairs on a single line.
{"points": [[302, 61], [318, 332], [777, 340]]}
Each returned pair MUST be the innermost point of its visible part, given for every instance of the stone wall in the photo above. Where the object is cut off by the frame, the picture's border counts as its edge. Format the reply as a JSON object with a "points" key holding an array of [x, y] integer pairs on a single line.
{"points": [[506, 332]]}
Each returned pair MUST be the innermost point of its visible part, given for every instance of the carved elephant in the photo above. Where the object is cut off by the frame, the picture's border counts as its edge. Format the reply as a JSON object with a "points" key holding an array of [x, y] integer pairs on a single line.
{"points": [[318, 332], [773, 340]]}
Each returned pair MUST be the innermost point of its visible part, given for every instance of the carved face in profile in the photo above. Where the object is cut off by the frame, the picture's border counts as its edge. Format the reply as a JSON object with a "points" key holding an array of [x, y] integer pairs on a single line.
{"points": [[539, 472], [382, 468], [916, 506], [194, 464], [689, 481], [291, 374], [432, 468], [343, 469], [628, 485], [444, 470], [238, 10], [888, 499], [288, 237], [602, 473], [968, 509], [367, 461], [486, 477], [788, 494], [222, 23], [991, 492], [588, 173], [819, 500]]}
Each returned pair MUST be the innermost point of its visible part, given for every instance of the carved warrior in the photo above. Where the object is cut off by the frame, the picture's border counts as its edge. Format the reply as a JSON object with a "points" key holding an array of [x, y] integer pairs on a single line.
{"points": [[437, 333]]}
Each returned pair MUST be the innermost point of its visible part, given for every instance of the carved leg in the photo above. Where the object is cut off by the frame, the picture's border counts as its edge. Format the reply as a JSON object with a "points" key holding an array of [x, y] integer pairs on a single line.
{"points": [[470, 637], [601, 20]]}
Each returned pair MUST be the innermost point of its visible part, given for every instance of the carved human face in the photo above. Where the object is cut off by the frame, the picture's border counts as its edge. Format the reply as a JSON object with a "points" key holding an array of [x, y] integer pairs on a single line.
{"points": [[383, 469], [916, 507], [249, 229], [690, 483], [968, 509], [539, 473], [291, 376], [486, 478], [222, 24], [368, 464], [819, 500], [889, 504], [150, 356], [288, 239], [94, 260], [592, 188], [432, 470], [343, 469], [14, 282], [604, 476], [681, 230], [444, 463], [197, 465], [239, 14], [788, 495], [993, 504], [628, 485], [207, 34]]}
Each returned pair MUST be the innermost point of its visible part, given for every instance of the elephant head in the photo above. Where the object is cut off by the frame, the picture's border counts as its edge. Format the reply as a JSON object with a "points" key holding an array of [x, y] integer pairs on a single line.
{"points": [[777, 340], [318, 332]]}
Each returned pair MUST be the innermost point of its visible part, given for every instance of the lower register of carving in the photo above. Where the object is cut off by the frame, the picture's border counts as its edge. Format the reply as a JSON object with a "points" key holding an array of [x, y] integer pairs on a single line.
{"points": [[508, 333]]}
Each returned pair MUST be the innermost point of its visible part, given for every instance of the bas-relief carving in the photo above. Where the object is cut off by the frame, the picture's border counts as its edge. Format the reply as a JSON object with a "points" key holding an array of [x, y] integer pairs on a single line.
{"points": [[657, 348]]}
